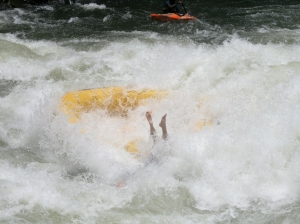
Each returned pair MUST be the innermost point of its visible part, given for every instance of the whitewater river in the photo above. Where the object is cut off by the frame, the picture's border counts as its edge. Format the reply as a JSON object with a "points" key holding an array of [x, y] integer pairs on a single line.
{"points": [[233, 114]]}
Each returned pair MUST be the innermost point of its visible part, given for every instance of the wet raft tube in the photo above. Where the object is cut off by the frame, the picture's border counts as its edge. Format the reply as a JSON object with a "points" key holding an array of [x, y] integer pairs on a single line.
{"points": [[115, 100], [171, 17]]}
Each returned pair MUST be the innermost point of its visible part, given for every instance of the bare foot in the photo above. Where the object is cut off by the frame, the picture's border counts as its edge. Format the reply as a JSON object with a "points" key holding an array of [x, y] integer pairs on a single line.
{"points": [[163, 121], [149, 117], [119, 184]]}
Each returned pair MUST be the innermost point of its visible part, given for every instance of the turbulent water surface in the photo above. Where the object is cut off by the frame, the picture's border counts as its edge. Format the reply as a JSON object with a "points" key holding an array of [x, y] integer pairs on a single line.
{"points": [[236, 71]]}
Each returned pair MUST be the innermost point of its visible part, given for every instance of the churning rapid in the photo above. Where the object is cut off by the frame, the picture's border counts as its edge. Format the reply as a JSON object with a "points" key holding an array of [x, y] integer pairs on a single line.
{"points": [[232, 80]]}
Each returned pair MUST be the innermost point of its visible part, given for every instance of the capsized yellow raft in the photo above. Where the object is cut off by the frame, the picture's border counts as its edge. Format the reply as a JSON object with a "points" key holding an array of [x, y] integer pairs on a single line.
{"points": [[115, 100]]}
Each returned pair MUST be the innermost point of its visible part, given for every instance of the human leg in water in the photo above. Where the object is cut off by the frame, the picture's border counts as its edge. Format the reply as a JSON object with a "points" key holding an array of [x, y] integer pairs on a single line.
{"points": [[152, 129], [162, 124]]}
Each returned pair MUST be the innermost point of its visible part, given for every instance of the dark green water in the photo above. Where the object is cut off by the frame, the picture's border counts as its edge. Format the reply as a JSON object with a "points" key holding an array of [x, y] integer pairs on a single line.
{"points": [[257, 21]]}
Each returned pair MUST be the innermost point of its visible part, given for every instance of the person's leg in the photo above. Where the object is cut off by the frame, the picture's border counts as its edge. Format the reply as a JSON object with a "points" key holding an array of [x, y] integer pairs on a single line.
{"points": [[152, 129], [163, 126]]}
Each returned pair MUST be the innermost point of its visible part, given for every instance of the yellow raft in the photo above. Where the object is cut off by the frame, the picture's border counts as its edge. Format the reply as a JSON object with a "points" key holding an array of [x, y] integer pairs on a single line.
{"points": [[115, 100]]}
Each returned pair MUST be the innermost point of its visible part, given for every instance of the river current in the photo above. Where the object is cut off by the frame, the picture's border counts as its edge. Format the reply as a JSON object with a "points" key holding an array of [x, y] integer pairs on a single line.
{"points": [[236, 70]]}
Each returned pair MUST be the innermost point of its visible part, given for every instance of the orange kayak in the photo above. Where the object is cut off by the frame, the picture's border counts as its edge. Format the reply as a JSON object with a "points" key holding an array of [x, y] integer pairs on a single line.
{"points": [[171, 17]]}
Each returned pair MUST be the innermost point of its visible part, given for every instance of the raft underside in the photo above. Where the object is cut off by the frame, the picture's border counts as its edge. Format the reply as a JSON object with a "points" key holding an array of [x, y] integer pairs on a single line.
{"points": [[116, 101]]}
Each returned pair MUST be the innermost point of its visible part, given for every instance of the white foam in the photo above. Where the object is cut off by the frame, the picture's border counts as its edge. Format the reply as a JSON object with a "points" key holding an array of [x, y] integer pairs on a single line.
{"points": [[73, 19], [247, 159], [92, 6], [46, 7], [14, 16], [106, 18]]}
